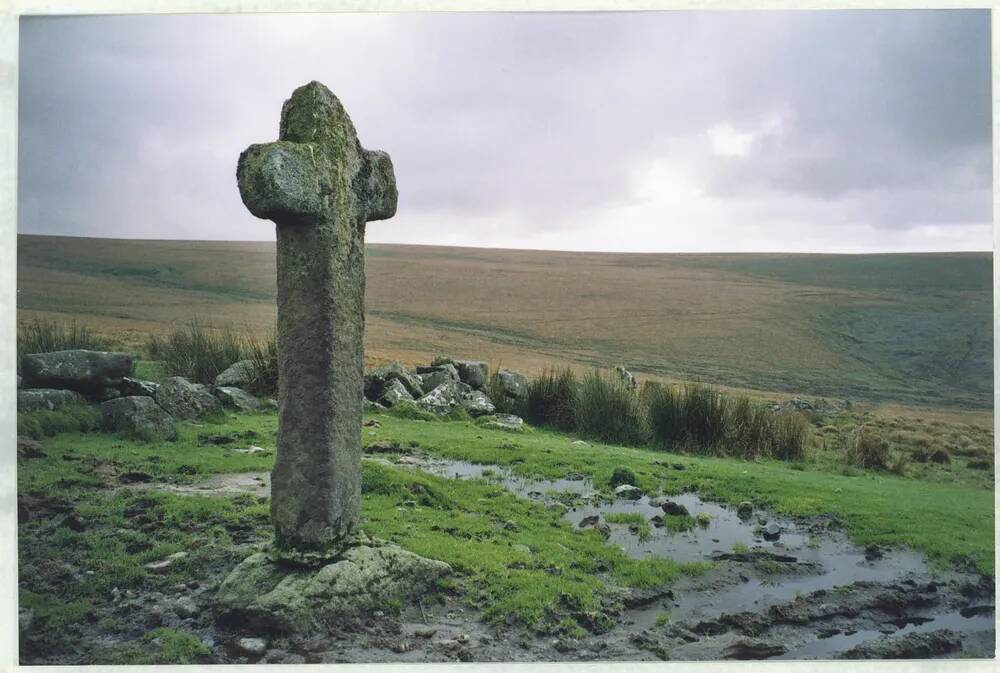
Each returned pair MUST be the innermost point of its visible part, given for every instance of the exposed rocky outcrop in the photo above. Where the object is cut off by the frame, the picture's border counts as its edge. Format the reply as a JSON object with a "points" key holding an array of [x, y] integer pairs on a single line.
{"points": [[237, 398], [85, 371], [137, 416], [237, 375]]}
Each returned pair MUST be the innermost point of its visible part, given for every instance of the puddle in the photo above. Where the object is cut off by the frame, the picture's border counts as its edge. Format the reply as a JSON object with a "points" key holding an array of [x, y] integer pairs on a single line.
{"points": [[824, 648]]}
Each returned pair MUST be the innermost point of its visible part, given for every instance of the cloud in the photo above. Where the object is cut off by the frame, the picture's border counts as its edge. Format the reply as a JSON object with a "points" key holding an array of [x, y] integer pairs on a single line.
{"points": [[667, 130]]}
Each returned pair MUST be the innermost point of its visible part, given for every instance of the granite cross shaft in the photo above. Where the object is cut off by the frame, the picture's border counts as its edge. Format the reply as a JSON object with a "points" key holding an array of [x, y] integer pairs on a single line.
{"points": [[320, 187]]}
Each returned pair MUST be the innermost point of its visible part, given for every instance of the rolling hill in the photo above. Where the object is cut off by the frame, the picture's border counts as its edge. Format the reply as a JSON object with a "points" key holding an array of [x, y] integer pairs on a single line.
{"points": [[900, 328]]}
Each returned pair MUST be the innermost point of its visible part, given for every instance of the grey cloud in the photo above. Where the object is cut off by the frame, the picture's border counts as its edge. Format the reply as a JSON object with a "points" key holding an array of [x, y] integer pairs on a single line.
{"points": [[130, 126]]}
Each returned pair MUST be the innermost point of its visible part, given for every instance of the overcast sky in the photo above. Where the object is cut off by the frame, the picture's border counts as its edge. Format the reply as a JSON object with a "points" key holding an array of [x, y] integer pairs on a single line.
{"points": [[672, 131]]}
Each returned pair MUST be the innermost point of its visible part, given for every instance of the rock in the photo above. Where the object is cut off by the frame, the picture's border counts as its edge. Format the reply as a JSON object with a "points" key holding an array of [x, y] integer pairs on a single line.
{"points": [[472, 372], [752, 649], [107, 394], [477, 403], [85, 371], [182, 399], [376, 380], [628, 492], [368, 405], [394, 392], [656, 502], [674, 508], [46, 399], [744, 510], [436, 375], [163, 564], [186, 608], [514, 384], [254, 647], [626, 377], [237, 398], [444, 398], [658, 521], [910, 646], [138, 417], [589, 520], [771, 531], [236, 375], [873, 552], [285, 599], [130, 387], [508, 422], [603, 528], [27, 449]]}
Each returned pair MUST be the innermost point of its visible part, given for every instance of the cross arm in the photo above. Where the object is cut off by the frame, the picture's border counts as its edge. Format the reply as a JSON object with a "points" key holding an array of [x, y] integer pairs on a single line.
{"points": [[280, 181], [381, 187]]}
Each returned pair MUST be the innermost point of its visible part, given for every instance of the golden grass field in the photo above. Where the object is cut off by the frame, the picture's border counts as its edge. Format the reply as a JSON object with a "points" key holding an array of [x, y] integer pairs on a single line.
{"points": [[888, 329]]}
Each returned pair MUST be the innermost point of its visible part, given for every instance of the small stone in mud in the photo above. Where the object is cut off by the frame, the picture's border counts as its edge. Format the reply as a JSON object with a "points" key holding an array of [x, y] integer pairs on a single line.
{"points": [[255, 647], [589, 520], [674, 508], [658, 521], [771, 532], [744, 510], [873, 552]]}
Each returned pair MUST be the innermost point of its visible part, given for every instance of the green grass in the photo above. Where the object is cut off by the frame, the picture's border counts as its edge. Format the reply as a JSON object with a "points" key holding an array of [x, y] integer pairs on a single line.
{"points": [[44, 336]]}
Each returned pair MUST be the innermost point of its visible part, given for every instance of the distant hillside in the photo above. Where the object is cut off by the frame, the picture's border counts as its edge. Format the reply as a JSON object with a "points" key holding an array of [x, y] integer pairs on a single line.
{"points": [[913, 329]]}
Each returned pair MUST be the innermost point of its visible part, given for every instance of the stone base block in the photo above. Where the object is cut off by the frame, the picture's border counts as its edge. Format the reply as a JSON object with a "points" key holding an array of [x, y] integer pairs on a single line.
{"points": [[264, 594]]}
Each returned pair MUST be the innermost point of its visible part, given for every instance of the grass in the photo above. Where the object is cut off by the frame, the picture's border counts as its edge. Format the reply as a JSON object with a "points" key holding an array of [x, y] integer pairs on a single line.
{"points": [[552, 400], [41, 335], [70, 418], [461, 522]]}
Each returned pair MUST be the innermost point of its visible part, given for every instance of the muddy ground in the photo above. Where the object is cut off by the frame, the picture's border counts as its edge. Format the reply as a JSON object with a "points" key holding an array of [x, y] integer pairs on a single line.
{"points": [[808, 594]]}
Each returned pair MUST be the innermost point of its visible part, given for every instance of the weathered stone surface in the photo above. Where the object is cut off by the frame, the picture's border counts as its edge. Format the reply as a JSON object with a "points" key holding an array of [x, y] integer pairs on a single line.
{"points": [[771, 531], [85, 371], [182, 399], [508, 422], [137, 416], [254, 647], [434, 376], [378, 378], [626, 377], [514, 384], [744, 510], [237, 398], [674, 508], [130, 387], [443, 398], [46, 399], [628, 492], [477, 403], [472, 372], [274, 597], [236, 375], [320, 186], [394, 393]]}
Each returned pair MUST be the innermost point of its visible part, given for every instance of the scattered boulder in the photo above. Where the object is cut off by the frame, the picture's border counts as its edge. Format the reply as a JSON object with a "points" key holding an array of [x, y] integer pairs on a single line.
{"points": [[137, 416], [589, 520], [236, 375], [477, 403], [183, 399], [237, 398], [376, 380], [752, 649], [84, 371], [434, 376], [130, 387], [472, 372], [393, 393], [508, 422], [628, 492], [513, 384], [443, 398], [46, 399], [261, 593], [674, 508]]}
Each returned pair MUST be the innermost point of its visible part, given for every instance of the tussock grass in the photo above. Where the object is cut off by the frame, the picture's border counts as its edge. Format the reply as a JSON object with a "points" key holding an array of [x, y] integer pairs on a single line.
{"points": [[552, 399], [201, 353], [44, 336], [864, 448], [607, 410]]}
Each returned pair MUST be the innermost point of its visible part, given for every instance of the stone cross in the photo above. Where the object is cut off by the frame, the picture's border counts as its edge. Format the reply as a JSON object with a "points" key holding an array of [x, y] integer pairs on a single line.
{"points": [[320, 187]]}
